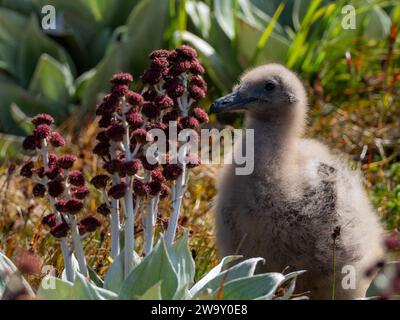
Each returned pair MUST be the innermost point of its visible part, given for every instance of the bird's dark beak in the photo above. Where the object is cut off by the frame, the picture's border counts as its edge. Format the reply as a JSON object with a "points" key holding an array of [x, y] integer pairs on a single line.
{"points": [[232, 101]]}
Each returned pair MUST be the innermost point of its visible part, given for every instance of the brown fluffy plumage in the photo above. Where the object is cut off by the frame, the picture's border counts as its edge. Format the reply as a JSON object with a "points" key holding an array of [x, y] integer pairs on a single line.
{"points": [[287, 210]]}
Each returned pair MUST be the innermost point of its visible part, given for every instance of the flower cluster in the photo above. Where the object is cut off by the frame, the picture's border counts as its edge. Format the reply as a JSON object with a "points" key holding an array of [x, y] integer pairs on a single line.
{"points": [[131, 180]]}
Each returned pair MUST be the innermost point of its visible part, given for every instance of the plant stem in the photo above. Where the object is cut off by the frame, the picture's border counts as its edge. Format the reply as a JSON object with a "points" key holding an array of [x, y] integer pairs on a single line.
{"points": [[67, 258], [80, 255], [115, 222], [149, 225]]}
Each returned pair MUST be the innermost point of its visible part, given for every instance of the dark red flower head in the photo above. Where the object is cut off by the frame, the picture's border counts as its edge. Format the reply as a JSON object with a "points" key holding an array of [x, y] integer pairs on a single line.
{"points": [[116, 132], [196, 92], [200, 115], [172, 171], [150, 95], [30, 143], [80, 192], [39, 190], [26, 170], [130, 168], [151, 77], [142, 136], [122, 78], [155, 187], [134, 119], [197, 68], [106, 120], [102, 149], [73, 206], [157, 175], [60, 230], [134, 98], [91, 223], [186, 52], [102, 137], [56, 187], [52, 159], [161, 53], [151, 110], [119, 90], [76, 178], [104, 209], [66, 161], [100, 181], [42, 118], [174, 87], [113, 166], [118, 191], [53, 172], [140, 188], [60, 205], [164, 102], [57, 140], [170, 116], [50, 220], [39, 172], [189, 123], [42, 131]]}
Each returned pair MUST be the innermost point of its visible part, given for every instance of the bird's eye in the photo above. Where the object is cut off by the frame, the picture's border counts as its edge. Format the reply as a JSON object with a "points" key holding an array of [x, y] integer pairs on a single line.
{"points": [[269, 86]]}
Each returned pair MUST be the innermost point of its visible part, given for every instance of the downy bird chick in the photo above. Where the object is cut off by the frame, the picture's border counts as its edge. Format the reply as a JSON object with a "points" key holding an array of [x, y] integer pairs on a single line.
{"points": [[299, 196]]}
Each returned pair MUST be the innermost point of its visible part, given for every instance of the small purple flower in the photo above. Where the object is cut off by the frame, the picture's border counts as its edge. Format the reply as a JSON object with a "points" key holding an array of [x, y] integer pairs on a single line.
{"points": [[73, 206], [57, 140], [140, 188], [56, 188], [151, 110], [42, 118], [164, 102], [189, 123], [39, 172], [115, 132], [104, 209], [119, 90], [80, 192], [172, 171], [196, 92], [197, 68], [26, 170], [67, 161], [133, 98], [91, 223], [174, 87], [100, 181], [130, 168], [134, 119], [186, 52], [122, 78], [118, 191], [76, 178], [161, 53], [42, 131], [157, 175], [200, 115], [30, 143], [50, 220], [53, 172], [151, 76], [60, 205], [39, 190], [141, 136], [60, 230]]}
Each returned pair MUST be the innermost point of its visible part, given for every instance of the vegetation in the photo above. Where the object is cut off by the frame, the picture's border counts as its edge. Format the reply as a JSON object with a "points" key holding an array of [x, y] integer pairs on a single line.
{"points": [[353, 78]]}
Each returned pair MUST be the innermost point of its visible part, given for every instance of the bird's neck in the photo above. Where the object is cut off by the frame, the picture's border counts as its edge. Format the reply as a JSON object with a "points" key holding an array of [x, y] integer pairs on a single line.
{"points": [[275, 150]]}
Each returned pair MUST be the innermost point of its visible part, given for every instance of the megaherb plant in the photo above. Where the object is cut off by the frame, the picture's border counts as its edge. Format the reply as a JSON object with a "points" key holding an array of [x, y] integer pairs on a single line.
{"points": [[137, 175]]}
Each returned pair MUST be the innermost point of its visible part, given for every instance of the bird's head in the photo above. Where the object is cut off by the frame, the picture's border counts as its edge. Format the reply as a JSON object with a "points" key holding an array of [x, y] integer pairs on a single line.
{"points": [[267, 90]]}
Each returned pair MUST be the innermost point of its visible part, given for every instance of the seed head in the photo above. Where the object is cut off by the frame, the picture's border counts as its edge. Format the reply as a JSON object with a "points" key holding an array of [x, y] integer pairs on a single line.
{"points": [[118, 191], [60, 230], [26, 170], [73, 206], [42, 131], [39, 190], [106, 120], [196, 93], [155, 187], [76, 178], [122, 78], [57, 140], [42, 118], [66, 162], [100, 181]]}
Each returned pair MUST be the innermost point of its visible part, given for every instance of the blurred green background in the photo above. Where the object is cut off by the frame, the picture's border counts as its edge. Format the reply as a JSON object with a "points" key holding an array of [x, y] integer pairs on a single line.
{"points": [[352, 75]]}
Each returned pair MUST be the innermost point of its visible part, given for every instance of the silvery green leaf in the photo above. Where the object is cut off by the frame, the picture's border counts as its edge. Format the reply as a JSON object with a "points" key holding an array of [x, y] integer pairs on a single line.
{"points": [[224, 13], [156, 267], [199, 13], [212, 274], [22, 120], [260, 287], [292, 285], [182, 261], [115, 275], [95, 278], [84, 289], [154, 293], [243, 269], [52, 288], [75, 268], [383, 279]]}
